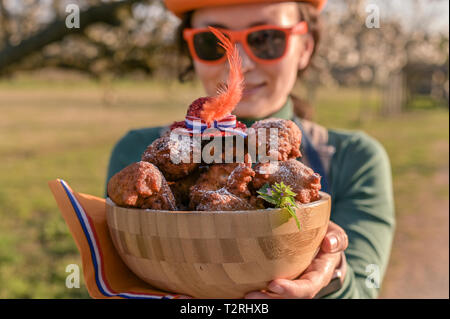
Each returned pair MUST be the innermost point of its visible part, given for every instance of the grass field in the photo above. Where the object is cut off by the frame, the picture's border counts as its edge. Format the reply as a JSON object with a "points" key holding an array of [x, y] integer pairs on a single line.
{"points": [[66, 130]]}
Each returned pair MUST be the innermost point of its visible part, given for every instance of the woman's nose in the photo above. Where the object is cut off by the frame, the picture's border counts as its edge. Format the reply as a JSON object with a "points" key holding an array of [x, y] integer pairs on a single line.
{"points": [[247, 63]]}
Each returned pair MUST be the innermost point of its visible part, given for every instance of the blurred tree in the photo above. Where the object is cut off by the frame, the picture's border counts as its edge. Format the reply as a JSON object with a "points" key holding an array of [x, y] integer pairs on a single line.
{"points": [[353, 54], [114, 37], [55, 31]]}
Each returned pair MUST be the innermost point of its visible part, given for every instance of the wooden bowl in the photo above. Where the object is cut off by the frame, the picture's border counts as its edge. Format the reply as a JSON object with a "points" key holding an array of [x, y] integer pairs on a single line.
{"points": [[217, 254]]}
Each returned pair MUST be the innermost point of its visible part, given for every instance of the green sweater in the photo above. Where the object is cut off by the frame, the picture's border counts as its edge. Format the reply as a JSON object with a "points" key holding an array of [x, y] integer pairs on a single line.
{"points": [[362, 199]]}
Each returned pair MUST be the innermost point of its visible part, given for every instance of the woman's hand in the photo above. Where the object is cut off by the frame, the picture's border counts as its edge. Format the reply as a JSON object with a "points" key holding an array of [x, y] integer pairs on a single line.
{"points": [[316, 276]]}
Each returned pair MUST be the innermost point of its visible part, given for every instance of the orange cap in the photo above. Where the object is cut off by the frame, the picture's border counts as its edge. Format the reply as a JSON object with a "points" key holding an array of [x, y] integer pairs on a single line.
{"points": [[179, 7]]}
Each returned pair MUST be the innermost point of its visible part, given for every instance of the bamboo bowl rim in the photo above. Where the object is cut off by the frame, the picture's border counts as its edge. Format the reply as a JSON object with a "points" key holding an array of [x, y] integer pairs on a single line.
{"points": [[324, 197]]}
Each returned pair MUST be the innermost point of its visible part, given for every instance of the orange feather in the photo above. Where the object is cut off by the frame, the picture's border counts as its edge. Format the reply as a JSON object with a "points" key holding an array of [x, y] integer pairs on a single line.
{"points": [[227, 99]]}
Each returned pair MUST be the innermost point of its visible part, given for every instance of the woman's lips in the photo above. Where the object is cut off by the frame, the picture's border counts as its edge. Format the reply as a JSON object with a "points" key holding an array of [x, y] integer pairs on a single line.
{"points": [[252, 89]]}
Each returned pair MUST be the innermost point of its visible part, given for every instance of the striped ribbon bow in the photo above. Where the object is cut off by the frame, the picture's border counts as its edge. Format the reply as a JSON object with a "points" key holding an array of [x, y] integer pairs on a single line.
{"points": [[226, 124]]}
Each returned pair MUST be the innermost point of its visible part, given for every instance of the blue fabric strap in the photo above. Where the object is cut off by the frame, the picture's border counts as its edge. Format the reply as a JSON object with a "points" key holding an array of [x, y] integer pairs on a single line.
{"points": [[313, 158]]}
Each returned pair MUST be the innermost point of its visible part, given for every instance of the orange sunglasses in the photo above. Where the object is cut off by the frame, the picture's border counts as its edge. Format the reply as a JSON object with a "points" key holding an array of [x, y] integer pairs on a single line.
{"points": [[264, 44]]}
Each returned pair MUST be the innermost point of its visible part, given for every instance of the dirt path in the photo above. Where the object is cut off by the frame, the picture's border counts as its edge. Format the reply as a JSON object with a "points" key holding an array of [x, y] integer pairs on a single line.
{"points": [[420, 256]]}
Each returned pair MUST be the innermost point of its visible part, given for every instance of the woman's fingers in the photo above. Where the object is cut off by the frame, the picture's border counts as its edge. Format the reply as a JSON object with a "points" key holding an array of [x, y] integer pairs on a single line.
{"points": [[300, 288], [335, 239], [315, 277]]}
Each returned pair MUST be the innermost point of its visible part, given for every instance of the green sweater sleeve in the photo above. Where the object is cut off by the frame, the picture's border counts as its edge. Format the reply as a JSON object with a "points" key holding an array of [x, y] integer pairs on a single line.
{"points": [[363, 205]]}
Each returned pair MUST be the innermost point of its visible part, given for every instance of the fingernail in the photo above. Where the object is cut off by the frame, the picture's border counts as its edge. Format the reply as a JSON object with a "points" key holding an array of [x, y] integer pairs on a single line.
{"points": [[276, 289], [333, 242]]}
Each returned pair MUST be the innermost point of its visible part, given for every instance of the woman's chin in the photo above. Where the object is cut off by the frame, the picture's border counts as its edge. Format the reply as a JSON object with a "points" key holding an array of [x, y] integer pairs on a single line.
{"points": [[247, 109]]}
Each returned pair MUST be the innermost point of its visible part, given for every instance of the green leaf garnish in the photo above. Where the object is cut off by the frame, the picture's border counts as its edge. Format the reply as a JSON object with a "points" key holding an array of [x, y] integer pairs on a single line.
{"points": [[281, 196]]}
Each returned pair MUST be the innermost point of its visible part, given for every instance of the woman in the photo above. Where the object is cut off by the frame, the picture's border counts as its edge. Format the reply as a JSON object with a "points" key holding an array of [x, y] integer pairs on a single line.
{"points": [[355, 169]]}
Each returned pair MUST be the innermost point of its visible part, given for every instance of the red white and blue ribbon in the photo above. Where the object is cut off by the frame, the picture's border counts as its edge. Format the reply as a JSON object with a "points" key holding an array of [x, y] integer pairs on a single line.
{"points": [[96, 254], [196, 125]]}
